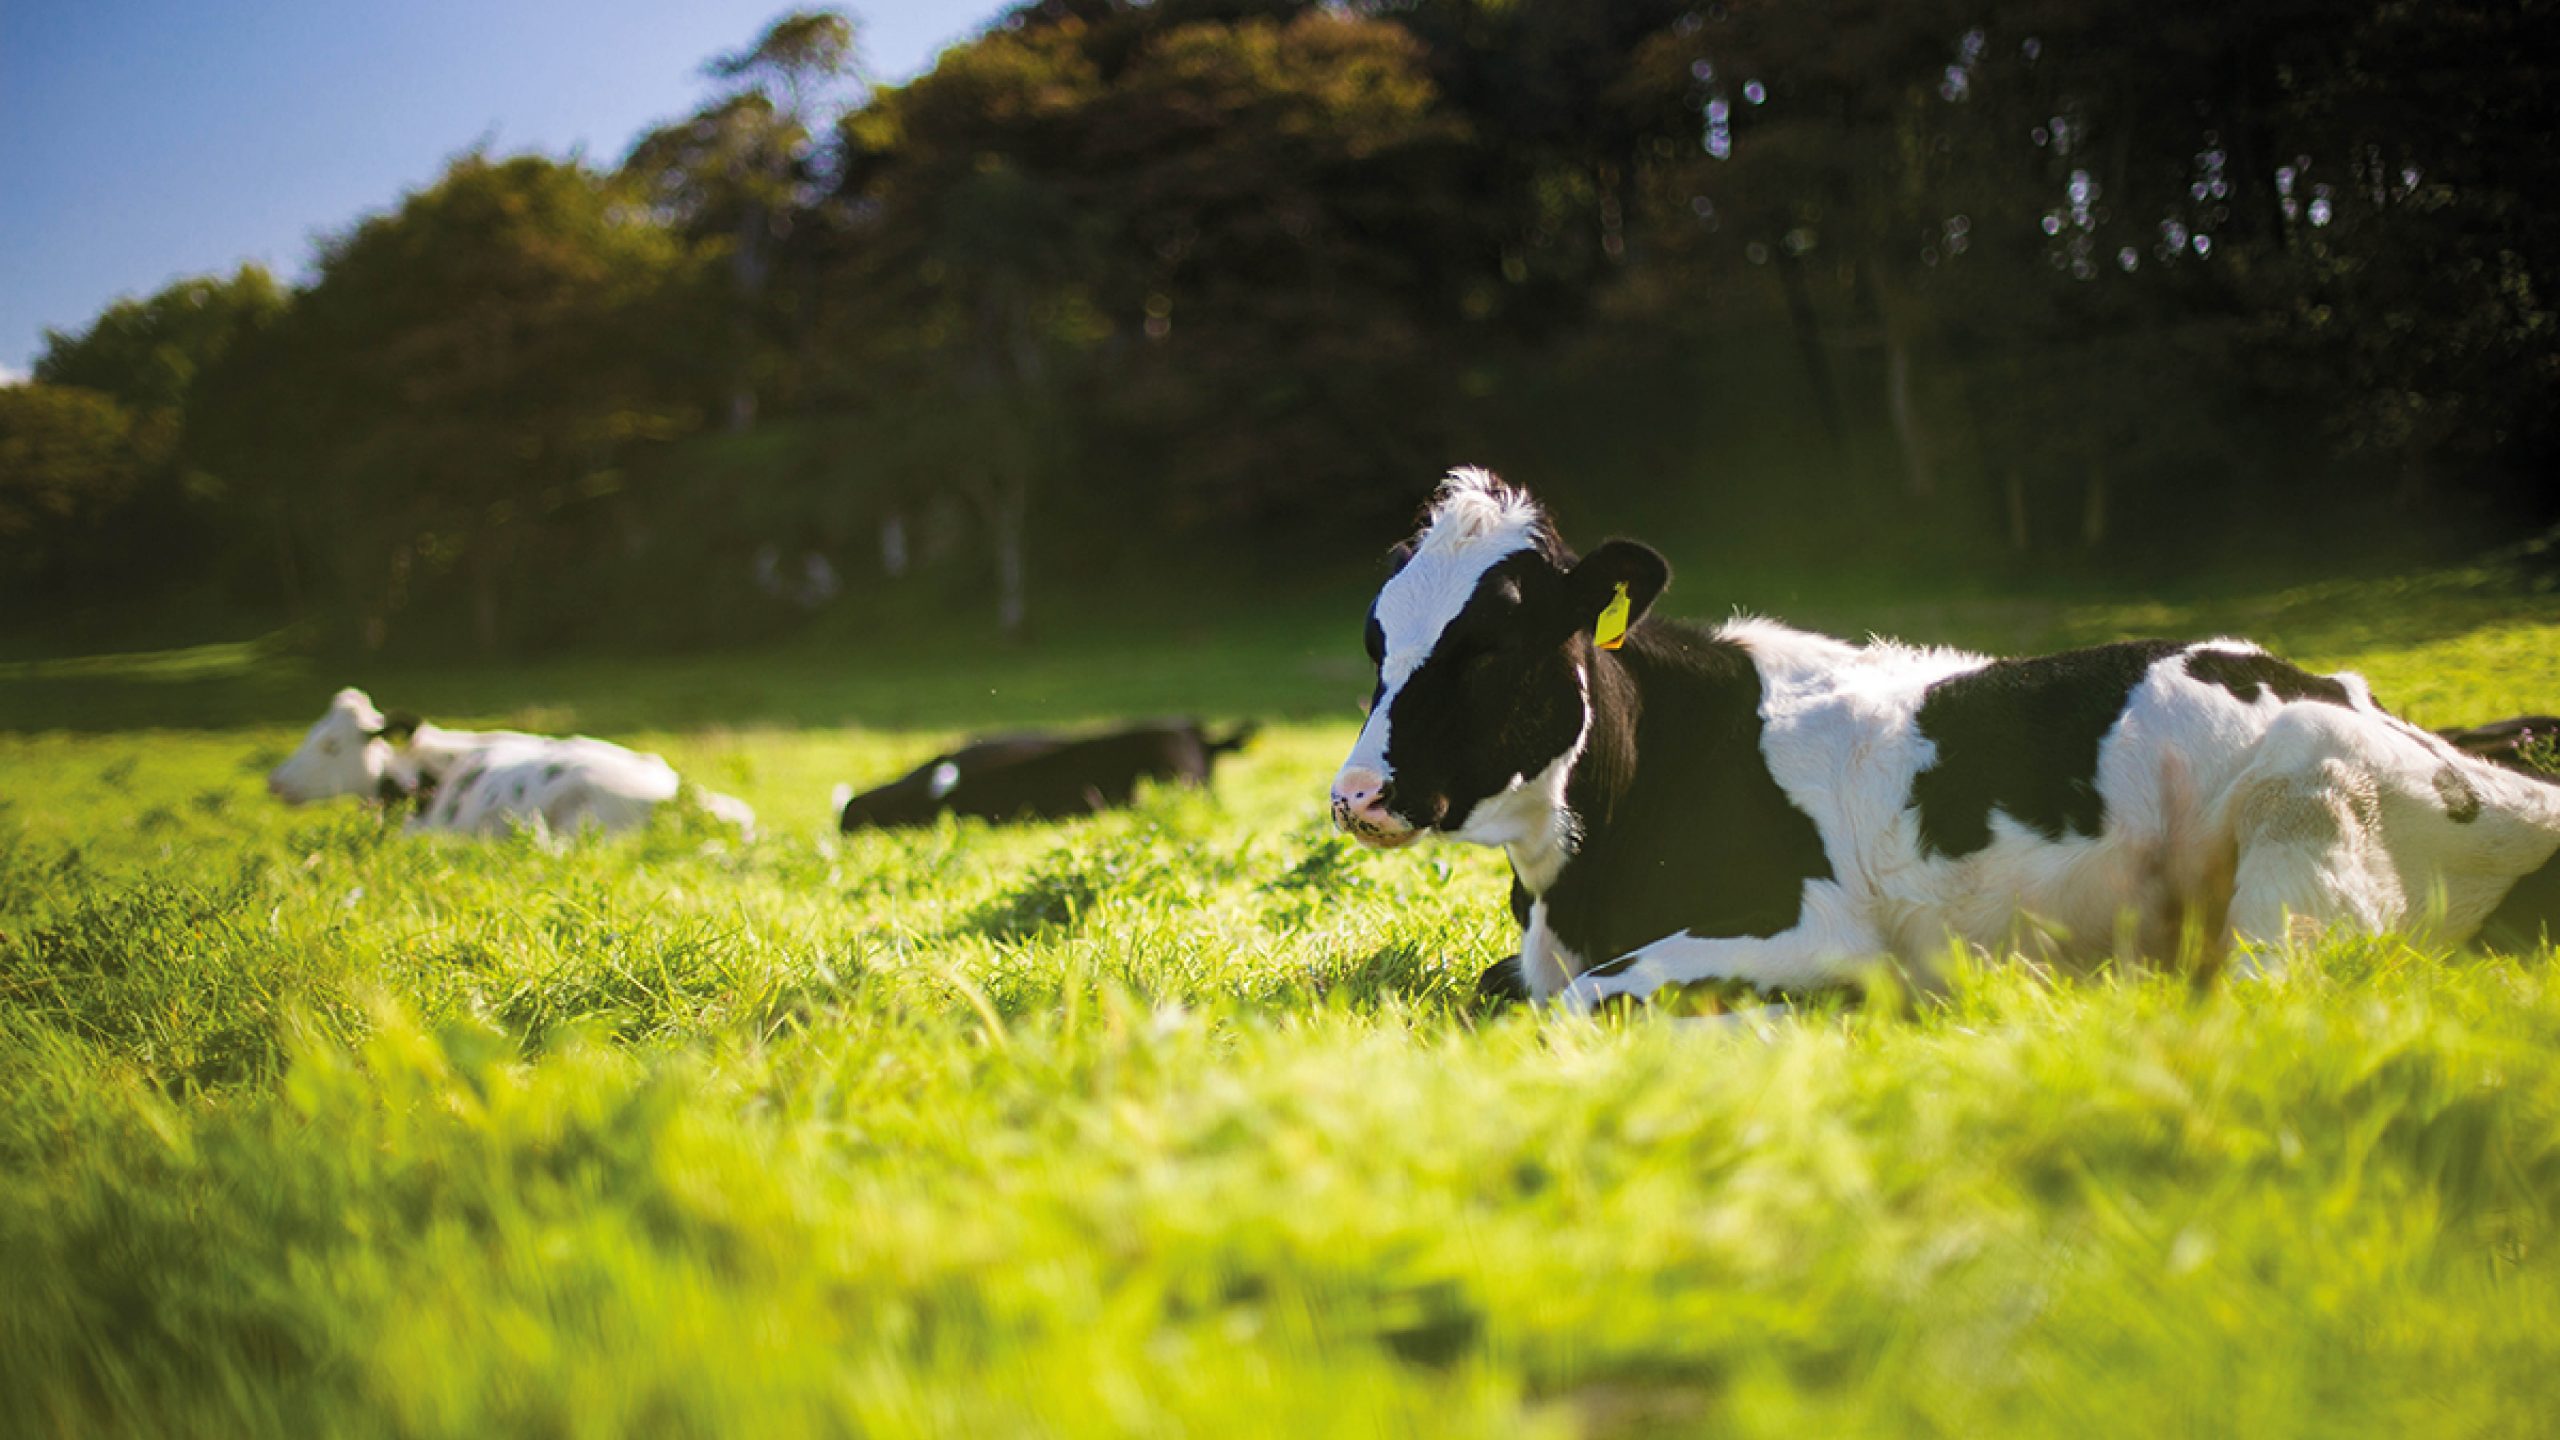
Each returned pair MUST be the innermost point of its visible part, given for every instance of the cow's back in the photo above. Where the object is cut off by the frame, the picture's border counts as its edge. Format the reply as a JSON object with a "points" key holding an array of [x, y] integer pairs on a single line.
{"points": [[2076, 805], [560, 785]]}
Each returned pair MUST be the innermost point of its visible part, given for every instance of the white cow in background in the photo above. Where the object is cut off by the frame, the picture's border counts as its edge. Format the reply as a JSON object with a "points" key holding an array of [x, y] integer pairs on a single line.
{"points": [[482, 782]]}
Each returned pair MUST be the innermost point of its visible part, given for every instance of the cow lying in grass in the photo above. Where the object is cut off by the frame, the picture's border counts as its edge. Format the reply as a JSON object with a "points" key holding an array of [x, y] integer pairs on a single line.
{"points": [[1042, 777], [2529, 743], [1753, 803], [483, 782]]}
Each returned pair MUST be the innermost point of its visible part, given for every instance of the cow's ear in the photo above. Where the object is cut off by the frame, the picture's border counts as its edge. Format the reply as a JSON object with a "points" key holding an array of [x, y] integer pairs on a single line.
{"points": [[1400, 555], [1591, 586], [399, 727]]}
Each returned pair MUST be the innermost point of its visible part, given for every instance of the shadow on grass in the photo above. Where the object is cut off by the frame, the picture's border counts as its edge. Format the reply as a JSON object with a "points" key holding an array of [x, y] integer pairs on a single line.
{"points": [[1212, 672], [1296, 662]]}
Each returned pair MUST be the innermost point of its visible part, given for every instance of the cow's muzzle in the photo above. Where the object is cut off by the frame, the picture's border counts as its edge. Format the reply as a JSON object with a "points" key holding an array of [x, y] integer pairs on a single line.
{"points": [[1360, 811]]}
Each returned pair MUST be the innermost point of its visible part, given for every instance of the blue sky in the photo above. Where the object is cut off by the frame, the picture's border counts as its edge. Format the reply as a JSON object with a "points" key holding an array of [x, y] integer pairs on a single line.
{"points": [[144, 140]]}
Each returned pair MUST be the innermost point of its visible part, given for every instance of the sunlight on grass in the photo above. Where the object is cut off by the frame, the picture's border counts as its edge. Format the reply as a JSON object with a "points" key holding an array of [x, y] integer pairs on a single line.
{"points": [[193, 662], [1184, 1121]]}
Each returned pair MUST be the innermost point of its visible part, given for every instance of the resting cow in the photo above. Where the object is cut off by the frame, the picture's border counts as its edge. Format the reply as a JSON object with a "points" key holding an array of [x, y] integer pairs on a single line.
{"points": [[1043, 777], [2516, 743], [484, 782], [1754, 803]]}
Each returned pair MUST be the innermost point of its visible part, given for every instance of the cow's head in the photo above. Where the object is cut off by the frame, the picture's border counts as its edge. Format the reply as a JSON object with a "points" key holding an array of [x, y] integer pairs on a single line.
{"points": [[351, 750], [1482, 640]]}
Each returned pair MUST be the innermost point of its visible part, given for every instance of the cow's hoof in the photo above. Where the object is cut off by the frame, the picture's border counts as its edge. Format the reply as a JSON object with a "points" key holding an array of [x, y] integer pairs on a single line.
{"points": [[1501, 984]]}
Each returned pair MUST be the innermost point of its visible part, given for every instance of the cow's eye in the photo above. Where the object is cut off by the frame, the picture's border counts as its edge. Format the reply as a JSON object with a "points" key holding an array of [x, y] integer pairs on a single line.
{"points": [[328, 747]]}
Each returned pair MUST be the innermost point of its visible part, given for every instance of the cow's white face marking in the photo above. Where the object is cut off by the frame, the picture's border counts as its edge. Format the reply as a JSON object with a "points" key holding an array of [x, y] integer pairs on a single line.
{"points": [[1476, 523], [343, 754]]}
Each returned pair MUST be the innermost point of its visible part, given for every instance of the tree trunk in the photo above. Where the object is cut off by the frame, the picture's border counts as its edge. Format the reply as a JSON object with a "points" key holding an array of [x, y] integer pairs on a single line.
{"points": [[288, 567], [1007, 513], [749, 267], [742, 383], [1808, 328], [1893, 321], [484, 602], [1918, 480], [2414, 478]]}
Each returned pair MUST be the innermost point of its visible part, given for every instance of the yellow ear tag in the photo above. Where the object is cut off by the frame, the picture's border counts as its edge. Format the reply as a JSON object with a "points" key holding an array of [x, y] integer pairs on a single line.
{"points": [[1612, 630]]}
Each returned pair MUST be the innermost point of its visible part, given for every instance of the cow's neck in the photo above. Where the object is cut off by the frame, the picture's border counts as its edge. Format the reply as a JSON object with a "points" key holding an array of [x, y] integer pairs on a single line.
{"points": [[1544, 822], [1606, 770], [418, 766]]}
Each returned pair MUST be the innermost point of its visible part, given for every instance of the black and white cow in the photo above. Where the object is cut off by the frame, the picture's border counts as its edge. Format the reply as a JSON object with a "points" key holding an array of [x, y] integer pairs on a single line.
{"points": [[2517, 743], [1039, 776], [1753, 803], [482, 782]]}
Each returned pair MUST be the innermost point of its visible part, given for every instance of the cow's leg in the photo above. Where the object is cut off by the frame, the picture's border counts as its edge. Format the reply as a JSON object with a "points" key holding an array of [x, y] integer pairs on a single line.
{"points": [[1502, 983], [1789, 961], [1827, 947], [2310, 856]]}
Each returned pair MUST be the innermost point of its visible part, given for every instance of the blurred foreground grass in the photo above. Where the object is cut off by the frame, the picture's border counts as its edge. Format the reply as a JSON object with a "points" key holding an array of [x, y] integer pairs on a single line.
{"points": [[1177, 1121]]}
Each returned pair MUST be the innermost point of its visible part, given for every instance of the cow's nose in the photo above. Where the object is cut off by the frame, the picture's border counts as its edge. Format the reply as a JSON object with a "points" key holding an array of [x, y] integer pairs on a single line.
{"points": [[1360, 800]]}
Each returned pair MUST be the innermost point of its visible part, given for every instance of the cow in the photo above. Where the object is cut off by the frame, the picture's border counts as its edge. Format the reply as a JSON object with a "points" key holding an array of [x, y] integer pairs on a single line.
{"points": [[1755, 804], [481, 782], [2517, 743], [1035, 776]]}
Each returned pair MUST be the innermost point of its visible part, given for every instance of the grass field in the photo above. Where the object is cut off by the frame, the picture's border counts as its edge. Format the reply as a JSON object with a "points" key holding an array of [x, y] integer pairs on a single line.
{"points": [[1180, 1121]]}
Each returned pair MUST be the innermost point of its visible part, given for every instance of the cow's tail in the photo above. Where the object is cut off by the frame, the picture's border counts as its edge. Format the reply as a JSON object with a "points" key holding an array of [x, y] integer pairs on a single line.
{"points": [[1233, 740], [728, 809]]}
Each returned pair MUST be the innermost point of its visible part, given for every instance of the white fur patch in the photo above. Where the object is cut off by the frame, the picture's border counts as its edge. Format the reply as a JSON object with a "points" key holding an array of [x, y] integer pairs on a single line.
{"points": [[1476, 522], [484, 782]]}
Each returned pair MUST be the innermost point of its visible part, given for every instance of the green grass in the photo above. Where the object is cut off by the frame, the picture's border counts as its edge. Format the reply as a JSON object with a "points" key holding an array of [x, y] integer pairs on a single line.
{"points": [[1180, 1121]]}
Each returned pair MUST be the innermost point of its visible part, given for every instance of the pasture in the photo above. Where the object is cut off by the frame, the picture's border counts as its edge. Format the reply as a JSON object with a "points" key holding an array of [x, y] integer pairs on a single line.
{"points": [[1181, 1121]]}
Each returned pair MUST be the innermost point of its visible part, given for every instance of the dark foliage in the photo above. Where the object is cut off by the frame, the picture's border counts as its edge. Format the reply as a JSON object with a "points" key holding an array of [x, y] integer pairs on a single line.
{"points": [[2066, 283]]}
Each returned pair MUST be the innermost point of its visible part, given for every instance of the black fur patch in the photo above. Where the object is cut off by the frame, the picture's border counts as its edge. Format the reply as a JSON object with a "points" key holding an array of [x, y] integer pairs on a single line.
{"points": [[1502, 983], [1685, 831], [2461, 802], [2021, 737], [2251, 676], [2529, 915]]}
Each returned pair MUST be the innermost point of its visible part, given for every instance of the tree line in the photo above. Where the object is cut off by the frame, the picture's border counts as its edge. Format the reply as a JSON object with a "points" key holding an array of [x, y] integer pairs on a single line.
{"points": [[2022, 281]]}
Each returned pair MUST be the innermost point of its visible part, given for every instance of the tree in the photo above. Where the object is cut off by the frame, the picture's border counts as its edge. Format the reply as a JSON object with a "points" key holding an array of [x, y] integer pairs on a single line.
{"points": [[743, 172], [70, 461], [173, 513], [147, 353], [459, 378]]}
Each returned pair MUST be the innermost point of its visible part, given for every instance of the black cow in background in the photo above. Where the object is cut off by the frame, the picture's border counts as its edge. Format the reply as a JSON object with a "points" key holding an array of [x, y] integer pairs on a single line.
{"points": [[1034, 776], [2511, 742]]}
